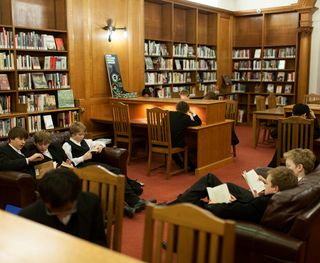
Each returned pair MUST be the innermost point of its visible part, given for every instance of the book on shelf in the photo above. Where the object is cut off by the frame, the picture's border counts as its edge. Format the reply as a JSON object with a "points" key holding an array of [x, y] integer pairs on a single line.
{"points": [[65, 98], [252, 179], [240, 115], [42, 168], [4, 82], [287, 88], [280, 76], [257, 53], [270, 88], [219, 194], [35, 63], [48, 123], [279, 89], [281, 64], [59, 43], [39, 81], [50, 43]]}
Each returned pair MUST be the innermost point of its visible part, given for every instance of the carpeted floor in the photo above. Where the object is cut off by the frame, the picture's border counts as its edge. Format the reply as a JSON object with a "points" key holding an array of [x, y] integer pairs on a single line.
{"points": [[156, 186]]}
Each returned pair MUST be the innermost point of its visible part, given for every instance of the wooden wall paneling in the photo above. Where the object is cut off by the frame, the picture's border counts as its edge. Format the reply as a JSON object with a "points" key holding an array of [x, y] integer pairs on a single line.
{"points": [[207, 28], [224, 47], [5, 12], [281, 29], [179, 24], [247, 31]]}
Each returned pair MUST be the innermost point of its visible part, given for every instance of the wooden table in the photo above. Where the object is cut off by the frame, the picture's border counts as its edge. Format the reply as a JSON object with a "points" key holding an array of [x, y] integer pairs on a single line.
{"points": [[269, 114], [210, 142], [22, 240], [314, 107]]}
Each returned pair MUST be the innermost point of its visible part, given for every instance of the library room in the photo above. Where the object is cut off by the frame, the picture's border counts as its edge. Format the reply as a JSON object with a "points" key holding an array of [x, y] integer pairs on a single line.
{"points": [[159, 131]]}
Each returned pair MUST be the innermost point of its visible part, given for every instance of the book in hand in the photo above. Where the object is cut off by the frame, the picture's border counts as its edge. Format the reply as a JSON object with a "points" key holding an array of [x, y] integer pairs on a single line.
{"points": [[65, 98], [219, 194], [66, 165], [42, 168], [39, 81], [252, 179]]}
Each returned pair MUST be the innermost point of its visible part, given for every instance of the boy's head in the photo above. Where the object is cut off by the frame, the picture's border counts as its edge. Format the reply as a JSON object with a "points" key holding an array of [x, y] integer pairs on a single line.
{"points": [[59, 190], [17, 137], [78, 130], [182, 106], [301, 110], [280, 179], [301, 161], [42, 140], [184, 94], [146, 92]]}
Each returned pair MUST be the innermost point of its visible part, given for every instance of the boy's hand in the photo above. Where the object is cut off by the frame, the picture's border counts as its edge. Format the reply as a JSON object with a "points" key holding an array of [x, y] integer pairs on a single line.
{"points": [[87, 156], [36, 157]]}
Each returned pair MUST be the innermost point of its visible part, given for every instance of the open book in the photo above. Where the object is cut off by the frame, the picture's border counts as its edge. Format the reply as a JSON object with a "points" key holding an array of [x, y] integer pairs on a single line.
{"points": [[42, 168], [66, 165], [219, 194], [253, 181]]}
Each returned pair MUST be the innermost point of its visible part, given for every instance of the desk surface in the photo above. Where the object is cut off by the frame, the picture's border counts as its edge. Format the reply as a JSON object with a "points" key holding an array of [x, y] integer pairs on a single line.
{"points": [[274, 111], [22, 240]]}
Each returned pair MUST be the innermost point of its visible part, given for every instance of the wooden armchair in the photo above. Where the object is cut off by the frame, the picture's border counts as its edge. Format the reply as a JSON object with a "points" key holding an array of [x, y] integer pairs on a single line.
{"points": [[232, 114], [159, 138], [110, 189], [312, 99], [193, 235], [122, 128], [293, 132]]}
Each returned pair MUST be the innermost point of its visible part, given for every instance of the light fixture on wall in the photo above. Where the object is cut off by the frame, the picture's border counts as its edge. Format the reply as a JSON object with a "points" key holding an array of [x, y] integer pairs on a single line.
{"points": [[111, 28]]}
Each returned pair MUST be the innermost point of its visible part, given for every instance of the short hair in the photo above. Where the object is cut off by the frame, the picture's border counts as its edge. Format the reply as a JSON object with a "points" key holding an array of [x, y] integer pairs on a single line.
{"points": [[42, 137], [184, 92], [210, 96], [146, 91], [59, 187], [182, 106], [300, 109], [77, 127], [302, 156], [17, 132], [283, 177]]}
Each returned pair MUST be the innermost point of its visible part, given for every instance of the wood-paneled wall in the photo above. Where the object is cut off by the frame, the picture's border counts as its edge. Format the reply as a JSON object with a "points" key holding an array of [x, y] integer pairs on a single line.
{"points": [[88, 44]]}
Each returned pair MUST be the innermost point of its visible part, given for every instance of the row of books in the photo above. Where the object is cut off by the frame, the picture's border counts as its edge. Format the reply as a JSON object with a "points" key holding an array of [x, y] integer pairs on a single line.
{"points": [[7, 124], [158, 63], [152, 48], [280, 100], [38, 102], [164, 92], [279, 88], [29, 81], [206, 52], [6, 38], [34, 123], [158, 78], [185, 64], [5, 104], [6, 61], [33, 40], [205, 88], [246, 76], [48, 62], [286, 52], [207, 64], [278, 76], [183, 50], [206, 76]]}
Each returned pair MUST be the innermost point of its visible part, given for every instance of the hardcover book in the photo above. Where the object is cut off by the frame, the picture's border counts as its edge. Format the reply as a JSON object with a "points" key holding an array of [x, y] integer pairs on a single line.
{"points": [[4, 82], [42, 168], [48, 123], [59, 43], [35, 63], [65, 98], [50, 42], [39, 81]]}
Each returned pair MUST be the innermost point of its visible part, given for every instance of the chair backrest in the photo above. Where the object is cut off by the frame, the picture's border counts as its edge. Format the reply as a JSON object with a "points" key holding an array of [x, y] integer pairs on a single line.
{"points": [[158, 127], [272, 101], [312, 99], [194, 234], [110, 189], [294, 132], [231, 110], [121, 119], [260, 103]]}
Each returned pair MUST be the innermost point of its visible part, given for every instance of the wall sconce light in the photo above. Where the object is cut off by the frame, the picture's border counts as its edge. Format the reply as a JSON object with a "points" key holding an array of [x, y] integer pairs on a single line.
{"points": [[110, 29]]}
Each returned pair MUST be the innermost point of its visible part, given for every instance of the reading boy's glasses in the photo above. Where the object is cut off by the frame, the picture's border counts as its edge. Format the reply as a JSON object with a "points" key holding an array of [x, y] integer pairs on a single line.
{"points": [[69, 212]]}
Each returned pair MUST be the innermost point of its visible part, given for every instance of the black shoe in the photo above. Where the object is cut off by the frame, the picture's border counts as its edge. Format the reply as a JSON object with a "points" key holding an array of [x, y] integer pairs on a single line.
{"points": [[141, 204], [129, 211]]}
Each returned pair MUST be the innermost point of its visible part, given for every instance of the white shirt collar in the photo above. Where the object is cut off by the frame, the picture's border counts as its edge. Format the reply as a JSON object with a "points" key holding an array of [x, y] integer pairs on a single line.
{"points": [[18, 151]]}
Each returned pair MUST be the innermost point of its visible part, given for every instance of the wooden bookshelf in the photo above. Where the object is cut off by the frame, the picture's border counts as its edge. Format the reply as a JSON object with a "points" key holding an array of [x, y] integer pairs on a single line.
{"points": [[35, 68], [264, 59], [190, 36]]}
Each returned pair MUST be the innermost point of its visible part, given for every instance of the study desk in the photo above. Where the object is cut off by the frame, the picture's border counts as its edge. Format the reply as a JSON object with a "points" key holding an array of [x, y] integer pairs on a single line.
{"points": [[22, 240], [210, 143], [269, 114]]}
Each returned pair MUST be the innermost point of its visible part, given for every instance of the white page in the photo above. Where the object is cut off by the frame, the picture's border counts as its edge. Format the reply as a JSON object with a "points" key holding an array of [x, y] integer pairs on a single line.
{"points": [[219, 194], [253, 181]]}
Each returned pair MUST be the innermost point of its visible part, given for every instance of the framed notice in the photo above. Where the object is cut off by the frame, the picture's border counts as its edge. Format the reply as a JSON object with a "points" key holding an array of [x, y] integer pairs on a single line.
{"points": [[114, 76]]}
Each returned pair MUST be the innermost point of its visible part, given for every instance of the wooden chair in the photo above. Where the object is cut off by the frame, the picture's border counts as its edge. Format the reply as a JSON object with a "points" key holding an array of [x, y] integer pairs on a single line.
{"points": [[272, 101], [232, 114], [110, 189], [122, 128], [192, 233], [312, 99], [260, 106], [159, 138], [293, 132]]}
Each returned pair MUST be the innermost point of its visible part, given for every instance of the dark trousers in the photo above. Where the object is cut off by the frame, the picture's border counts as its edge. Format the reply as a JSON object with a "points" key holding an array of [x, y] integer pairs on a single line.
{"points": [[130, 196], [199, 190]]}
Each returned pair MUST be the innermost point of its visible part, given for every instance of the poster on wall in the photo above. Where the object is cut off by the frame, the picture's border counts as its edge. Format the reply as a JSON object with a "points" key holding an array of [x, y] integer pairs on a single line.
{"points": [[114, 76]]}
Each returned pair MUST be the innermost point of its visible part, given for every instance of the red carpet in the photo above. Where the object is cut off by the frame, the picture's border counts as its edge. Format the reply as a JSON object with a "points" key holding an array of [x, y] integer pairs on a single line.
{"points": [[156, 186]]}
